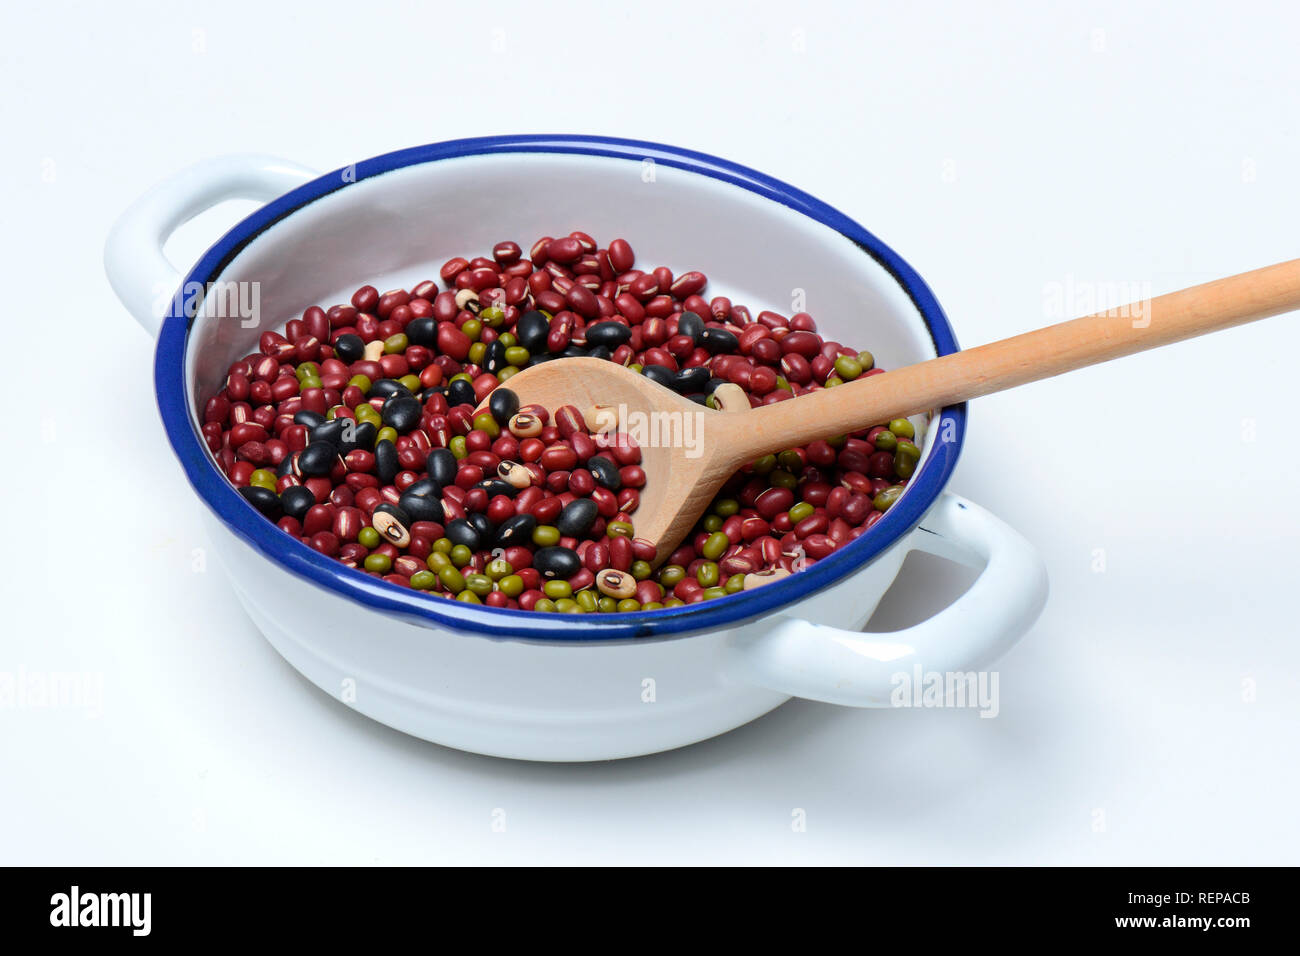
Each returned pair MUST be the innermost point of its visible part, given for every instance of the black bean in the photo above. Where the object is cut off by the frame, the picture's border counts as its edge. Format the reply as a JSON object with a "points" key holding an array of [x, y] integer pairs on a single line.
{"points": [[421, 331], [295, 500], [573, 351], [421, 507], [557, 562], [503, 404], [609, 334], [349, 348], [461, 392], [600, 352], [713, 385], [442, 466], [690, 324], [605, 472], [460, 531], [428, 393], [317, 459], [310, 419], [397, 512], [717, 341], [516, 530], [265, 500], [691, 380], [495, 486], [577, 517], [699, 399], [660, 375], [494, 357], [285, 467], [402, 412], [387, 388], [531, 330], [423, 488], [357, 435], [331, 431], [483, 525], [386, 465]]}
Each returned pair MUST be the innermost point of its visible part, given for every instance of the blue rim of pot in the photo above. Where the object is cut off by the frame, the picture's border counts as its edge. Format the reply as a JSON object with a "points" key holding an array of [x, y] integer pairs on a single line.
{"points": [[420, 608]]}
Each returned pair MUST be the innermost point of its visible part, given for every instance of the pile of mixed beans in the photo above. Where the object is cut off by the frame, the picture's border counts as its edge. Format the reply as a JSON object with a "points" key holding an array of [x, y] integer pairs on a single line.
{"points": [[356, 431]]}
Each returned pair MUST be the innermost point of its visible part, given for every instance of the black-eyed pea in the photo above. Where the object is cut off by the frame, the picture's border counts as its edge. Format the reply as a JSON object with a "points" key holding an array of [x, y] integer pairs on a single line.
{"points": [[616, 584], [467, 299], [393, 525], [515, 474], [730, 397], [525, 425], [759, 578], [601, 418]]}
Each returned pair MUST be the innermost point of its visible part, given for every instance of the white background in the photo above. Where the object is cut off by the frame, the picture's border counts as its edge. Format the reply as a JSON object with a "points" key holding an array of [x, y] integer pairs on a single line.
{"points": [[1007, 150]]}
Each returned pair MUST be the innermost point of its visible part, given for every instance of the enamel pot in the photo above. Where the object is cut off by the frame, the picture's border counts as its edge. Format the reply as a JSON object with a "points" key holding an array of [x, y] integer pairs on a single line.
{"points": [[548, 686]]}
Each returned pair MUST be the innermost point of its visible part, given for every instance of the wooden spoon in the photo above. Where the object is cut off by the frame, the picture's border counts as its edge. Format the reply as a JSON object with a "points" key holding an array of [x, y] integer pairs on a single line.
{"points": [[702, 448]]}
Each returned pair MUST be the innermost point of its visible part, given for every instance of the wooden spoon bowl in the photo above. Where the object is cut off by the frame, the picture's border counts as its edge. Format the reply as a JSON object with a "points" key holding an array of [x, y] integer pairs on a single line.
{"points": [[687, 450]]}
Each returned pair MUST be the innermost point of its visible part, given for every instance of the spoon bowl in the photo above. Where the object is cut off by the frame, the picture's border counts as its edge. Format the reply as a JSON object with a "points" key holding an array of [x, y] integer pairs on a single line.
{"points": [[686, 449]]}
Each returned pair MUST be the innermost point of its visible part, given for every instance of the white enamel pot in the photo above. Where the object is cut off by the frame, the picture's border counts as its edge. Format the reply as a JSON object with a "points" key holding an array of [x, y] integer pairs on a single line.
{"points": [[542, 686]]}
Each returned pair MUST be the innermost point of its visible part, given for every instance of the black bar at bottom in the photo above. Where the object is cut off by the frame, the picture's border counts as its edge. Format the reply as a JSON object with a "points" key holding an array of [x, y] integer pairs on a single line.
{"points": [[333, 905]]}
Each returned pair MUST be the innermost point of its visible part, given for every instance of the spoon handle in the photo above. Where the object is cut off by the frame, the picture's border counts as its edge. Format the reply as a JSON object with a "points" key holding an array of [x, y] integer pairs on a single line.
{"points": [[1029, 357]]}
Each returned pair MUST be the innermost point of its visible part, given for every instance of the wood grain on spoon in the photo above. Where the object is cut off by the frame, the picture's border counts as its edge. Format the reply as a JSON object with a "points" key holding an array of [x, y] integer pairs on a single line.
{"points": [[693, 450]]}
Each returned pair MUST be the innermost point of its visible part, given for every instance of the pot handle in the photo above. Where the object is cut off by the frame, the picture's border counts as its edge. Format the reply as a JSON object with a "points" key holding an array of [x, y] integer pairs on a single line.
{"points": [[133, 254], [857, 669]]}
